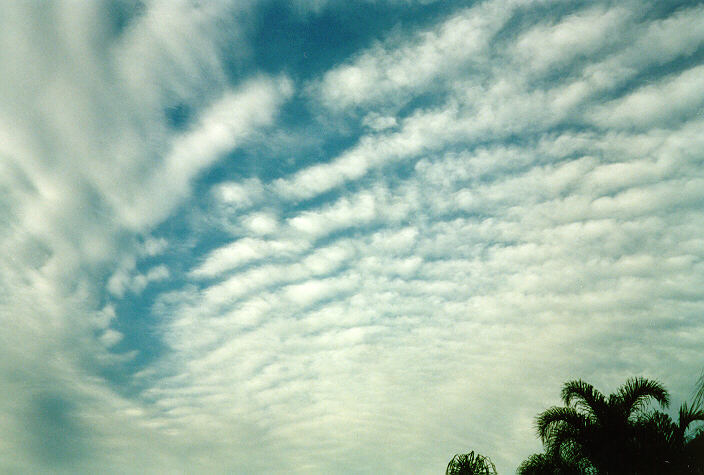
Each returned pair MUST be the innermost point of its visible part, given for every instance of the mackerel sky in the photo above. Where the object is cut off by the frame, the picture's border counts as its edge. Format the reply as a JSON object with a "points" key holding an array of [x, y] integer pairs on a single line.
{"points": [[332, 236]]}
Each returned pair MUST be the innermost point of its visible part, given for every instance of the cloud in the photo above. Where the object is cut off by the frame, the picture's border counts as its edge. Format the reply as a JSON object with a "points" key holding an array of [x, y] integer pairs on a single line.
{"points": [[261, 223], [218, 131], [90, 166], [389, 74], [377, 122], [581, 34], [659, 104], [516, 234], [127, 278], [242, 252], [340, 215]]}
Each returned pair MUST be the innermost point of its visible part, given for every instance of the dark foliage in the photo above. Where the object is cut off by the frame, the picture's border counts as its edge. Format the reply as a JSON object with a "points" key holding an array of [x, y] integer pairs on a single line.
{"points": [[554, 464], [470, 464], [596, 434]]}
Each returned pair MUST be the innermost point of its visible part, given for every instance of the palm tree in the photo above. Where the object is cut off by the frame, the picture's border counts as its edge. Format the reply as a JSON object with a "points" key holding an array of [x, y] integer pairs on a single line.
{"points": [[470, 464], [596, 433]]}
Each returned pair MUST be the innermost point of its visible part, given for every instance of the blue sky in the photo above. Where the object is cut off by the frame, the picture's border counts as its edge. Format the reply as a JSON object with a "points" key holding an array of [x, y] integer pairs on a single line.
{"points": [[339, 237]]}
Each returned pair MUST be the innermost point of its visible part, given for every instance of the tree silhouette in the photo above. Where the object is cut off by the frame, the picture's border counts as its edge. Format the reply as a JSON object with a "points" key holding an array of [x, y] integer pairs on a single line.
{"points": [[470, 464], [555, 464], [666, 445], [594, 433]]}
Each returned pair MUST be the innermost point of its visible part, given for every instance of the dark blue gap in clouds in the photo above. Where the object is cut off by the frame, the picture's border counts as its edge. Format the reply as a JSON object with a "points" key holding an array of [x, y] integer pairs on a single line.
{"points": [[138, 325], [178, 116], [658, 9], [133, 312], [423, 101], [527, 16], [120, 13], [305, 45]]}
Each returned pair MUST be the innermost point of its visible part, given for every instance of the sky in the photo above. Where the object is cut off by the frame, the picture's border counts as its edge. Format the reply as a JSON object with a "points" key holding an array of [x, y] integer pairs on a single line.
{"points": [[329, 236]]}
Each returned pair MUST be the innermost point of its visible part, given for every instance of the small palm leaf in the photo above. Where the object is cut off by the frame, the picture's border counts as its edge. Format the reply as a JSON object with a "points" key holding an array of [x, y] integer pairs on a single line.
{"points": [[699, 393], [550, 421], [637, 391], [538, 464], [586, 397], [546, 464], [687, 416]]}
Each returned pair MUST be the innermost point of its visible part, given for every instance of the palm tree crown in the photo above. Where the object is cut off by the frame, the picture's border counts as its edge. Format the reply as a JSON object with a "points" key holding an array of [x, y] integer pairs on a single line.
{"points": [[470, 464], [594, 432]]}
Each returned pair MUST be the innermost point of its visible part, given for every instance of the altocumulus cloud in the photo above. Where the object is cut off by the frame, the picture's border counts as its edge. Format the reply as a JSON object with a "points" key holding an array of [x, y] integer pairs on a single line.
{"points": [[261, 237]]}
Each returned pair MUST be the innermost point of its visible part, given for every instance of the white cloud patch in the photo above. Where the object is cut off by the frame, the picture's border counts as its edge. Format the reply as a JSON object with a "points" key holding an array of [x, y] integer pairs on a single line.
{"points": [[342, 214], [154, 246], [242, 252], [379, 122], [261, 223], [661, 104], [580, 34]]}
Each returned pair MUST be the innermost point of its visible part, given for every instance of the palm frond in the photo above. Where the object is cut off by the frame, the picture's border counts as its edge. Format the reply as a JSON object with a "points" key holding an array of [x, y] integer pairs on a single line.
{"points": [[548, 422], [550, 464], [568, 440], [585, 396], [698, 399], [654, 429], [538, 464], [638, 391], [688, 415]]}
